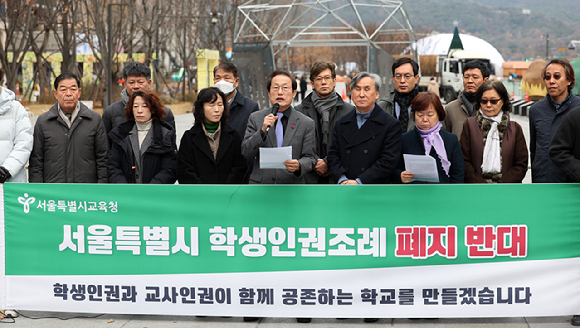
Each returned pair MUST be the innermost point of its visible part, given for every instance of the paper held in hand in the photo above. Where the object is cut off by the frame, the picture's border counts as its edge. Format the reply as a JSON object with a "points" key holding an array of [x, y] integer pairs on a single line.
{"points": [[423, 167], [274, 158]]}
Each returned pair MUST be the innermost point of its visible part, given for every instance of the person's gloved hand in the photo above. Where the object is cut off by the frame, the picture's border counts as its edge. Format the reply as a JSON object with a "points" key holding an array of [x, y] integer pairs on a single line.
{"points": [[4, 174]]}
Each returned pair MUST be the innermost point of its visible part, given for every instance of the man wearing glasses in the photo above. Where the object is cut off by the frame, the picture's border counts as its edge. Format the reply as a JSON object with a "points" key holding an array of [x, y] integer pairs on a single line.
{"points": [[325, 107], [398, 102], [474, 74], [288, 127], [546, 116]]}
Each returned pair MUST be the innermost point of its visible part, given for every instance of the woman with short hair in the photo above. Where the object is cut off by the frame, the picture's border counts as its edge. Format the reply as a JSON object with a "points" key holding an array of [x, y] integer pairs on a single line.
{"points": [[143, 149], [428, 138], [494, 147]]}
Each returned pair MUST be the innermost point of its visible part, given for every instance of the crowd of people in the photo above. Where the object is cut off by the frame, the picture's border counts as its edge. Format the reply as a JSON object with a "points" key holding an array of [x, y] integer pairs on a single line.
{"points": [[472, 140]]}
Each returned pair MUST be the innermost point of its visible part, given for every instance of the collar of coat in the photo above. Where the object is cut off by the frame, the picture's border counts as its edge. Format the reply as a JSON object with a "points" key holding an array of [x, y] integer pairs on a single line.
{"points": [[239, 99], [162, 134], [197, 129], [84, 112], [375, 116], [199, 138]]}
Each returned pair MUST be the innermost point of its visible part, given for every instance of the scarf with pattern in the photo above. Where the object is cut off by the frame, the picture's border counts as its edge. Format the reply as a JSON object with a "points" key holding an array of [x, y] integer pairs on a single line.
{"points": [[493, 129]]}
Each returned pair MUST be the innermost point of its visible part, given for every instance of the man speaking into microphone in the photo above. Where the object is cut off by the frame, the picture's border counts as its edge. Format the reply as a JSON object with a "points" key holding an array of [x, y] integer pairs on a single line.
{"points": [[284, 127]]}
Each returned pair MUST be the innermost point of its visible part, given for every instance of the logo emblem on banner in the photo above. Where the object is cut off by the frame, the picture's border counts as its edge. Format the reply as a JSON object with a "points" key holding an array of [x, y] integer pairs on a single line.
{"points": [[26, 202]]}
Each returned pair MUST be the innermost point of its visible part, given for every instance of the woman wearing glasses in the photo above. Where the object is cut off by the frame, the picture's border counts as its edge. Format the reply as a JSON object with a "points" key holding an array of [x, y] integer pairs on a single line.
{"points": [[494, 148]]}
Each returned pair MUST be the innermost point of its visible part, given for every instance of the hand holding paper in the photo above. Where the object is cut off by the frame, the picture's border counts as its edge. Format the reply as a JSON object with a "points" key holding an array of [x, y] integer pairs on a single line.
{"points": [[423, 167], [274, 158]]}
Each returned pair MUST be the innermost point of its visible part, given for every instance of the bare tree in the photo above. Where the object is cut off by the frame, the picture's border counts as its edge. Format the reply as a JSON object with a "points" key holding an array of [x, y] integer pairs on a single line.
{"points": [[94, 27], [16, 21], [150, 17], [39, 40], [218, 27]]}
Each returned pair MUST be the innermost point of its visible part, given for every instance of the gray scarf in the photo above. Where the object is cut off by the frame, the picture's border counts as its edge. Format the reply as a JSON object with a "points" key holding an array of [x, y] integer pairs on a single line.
{"points": [[467, 103], [125, 97], [323, 106]]}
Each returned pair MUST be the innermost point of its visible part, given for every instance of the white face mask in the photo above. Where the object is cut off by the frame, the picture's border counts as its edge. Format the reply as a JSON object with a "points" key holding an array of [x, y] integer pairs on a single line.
{"points": [[225, 86]]}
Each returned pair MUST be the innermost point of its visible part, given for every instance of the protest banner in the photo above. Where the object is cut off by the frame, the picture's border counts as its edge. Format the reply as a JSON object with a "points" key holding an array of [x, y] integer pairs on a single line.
{"points": [[293, 251]]}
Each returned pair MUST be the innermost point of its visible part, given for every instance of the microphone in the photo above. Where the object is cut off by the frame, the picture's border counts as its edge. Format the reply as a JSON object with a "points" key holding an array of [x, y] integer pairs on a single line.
{"points": [[274, 112]]}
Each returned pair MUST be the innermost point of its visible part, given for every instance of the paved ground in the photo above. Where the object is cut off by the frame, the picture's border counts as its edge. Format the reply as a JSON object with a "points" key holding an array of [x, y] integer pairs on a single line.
{"points": [[149, 321]]}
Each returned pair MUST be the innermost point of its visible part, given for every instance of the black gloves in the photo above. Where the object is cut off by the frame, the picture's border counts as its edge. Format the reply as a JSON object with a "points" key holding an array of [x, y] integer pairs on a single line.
{"points": [[4, 174]]}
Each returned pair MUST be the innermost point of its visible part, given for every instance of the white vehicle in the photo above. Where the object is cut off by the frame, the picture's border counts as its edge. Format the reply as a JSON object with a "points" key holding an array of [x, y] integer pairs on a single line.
{"points": [[448, 71]]}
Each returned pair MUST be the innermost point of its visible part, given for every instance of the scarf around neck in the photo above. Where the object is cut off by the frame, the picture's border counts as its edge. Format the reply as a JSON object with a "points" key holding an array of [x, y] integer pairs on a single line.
{"points": [[125, 97], [404, 100], [323, 106], [142, 130], [432, 138], [468, 100], [493, 129]]}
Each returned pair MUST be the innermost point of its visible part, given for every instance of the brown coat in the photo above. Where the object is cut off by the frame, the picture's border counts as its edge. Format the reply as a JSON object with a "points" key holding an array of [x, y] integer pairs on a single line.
{"points": [[456, 114], [514, 152]]}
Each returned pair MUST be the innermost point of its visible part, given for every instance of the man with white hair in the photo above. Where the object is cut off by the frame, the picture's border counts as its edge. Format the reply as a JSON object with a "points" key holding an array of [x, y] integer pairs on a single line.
{"points": [[366, 143]]}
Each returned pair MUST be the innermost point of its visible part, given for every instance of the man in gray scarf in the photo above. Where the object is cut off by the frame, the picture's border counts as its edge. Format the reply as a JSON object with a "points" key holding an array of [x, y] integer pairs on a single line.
{"points": [[474, 74], [325, 106], [137, 77]]}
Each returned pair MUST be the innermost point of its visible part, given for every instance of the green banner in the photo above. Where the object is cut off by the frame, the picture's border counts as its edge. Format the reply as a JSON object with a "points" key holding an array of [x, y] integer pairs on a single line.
{"points": [[57, 229]]}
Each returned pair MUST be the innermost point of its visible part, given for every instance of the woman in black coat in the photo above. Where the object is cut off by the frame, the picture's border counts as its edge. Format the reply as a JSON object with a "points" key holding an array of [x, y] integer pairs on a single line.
{"points": [[143, 149], [210, 152], [428, 134]]}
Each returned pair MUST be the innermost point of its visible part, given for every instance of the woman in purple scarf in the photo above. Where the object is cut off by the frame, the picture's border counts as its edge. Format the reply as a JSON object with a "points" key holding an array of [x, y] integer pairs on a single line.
{"points": [[428, 138]]}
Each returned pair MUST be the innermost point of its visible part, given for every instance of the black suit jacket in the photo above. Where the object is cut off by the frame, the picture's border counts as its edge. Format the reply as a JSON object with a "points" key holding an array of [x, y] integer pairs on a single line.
{"points": [[240, 111], [370, 153]]}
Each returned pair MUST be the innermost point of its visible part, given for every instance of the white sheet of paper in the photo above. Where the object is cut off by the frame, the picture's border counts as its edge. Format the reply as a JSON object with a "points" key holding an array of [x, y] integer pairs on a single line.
{"points": [[274, 158], [424, 167]]}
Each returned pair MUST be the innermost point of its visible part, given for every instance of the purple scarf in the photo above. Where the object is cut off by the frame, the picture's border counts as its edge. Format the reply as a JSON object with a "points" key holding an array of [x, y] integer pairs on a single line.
{"points": [[432, 137]]}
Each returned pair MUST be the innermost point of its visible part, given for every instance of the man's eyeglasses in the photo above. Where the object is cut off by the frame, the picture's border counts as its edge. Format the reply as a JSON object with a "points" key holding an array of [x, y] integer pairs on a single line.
{"points": [[407, 77], [492, 101], [284, 88], [325, 78], [556, 77]]}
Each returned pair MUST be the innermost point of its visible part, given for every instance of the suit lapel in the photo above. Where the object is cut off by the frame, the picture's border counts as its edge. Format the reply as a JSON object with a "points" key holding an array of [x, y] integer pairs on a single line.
{"points": [[290, 129], [237, 102], [366, 132], [271, 138]]}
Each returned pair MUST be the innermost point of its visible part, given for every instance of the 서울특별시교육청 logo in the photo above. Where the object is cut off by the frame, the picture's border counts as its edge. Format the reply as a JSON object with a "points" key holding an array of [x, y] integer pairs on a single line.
{"points": [[26, 201]]}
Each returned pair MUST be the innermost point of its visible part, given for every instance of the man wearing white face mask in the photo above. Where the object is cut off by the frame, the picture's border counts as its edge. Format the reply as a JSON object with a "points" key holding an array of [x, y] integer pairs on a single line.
{"points": [[226, 77]]}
